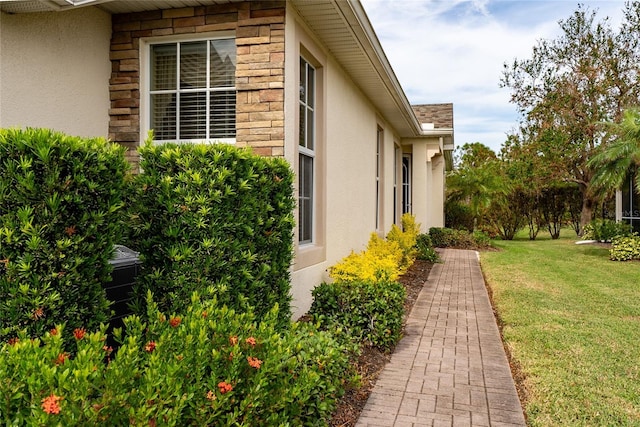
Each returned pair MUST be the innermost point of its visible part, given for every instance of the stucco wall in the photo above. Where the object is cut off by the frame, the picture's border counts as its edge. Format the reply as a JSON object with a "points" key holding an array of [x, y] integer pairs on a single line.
{"points": [[54, 71], [349, 124]]}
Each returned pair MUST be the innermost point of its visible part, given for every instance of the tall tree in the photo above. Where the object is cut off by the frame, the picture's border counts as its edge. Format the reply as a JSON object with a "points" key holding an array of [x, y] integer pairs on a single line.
{"points": [[570, 86]]}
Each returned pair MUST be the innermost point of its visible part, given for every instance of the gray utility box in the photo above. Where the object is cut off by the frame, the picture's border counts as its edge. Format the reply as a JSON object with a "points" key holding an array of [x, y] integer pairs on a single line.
{"points": [[126, 264]]}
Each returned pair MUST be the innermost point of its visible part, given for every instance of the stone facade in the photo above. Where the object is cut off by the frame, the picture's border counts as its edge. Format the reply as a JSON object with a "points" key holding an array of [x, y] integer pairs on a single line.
{"points": [[259, 29]]}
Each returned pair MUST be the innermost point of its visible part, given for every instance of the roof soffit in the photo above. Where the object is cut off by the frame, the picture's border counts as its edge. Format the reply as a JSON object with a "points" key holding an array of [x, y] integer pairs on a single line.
{"points": [[343, 27]]}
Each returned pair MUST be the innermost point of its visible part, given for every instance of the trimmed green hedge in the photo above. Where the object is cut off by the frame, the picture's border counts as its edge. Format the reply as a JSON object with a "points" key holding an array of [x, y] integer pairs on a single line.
{"points": [[214, 215], [208, 366], [369, 312], [60, 201]]}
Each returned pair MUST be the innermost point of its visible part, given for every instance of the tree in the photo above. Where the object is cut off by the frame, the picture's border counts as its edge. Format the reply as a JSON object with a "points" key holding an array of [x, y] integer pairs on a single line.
{"points": [[621, 158], [476, 180], [570, 86]]}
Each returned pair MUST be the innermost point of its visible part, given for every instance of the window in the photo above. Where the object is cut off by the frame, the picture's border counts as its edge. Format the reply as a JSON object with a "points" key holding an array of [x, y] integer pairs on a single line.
{"points": [[192, 94], [631, 203], [306, 152], [406, 183]]}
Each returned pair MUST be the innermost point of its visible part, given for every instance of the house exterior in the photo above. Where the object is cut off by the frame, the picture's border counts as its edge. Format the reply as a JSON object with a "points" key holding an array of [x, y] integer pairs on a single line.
{"points": [[303, 79]]}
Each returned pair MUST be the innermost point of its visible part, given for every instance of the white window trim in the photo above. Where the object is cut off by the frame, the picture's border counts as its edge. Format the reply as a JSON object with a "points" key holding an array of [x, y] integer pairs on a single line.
{"points": [[312, 154], [145, 80]]}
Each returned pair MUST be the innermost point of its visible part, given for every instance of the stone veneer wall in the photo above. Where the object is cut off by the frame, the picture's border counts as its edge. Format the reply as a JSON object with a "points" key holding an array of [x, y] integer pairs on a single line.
{"points": [[259, 29]]}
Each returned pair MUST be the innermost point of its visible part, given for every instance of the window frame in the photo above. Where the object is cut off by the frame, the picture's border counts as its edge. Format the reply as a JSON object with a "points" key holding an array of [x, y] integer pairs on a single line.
{"points": [[146, 79], [307, 150]]}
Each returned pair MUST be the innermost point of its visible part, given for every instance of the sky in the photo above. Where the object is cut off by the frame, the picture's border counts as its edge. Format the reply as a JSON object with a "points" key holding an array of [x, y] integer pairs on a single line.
{"points": [[454, 51]]}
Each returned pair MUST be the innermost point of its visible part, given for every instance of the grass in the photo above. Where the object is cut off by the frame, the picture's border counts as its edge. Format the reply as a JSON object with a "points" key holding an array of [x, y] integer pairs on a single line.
{"points": [[572, 322]]}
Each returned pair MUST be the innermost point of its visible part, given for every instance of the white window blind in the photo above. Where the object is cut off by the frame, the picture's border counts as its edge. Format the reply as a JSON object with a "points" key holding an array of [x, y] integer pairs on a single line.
{"points": [[192, 90]]}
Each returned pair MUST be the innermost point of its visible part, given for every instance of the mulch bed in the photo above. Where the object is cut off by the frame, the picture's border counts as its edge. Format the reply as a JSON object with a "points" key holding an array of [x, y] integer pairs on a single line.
{"points": [[372, 360]]}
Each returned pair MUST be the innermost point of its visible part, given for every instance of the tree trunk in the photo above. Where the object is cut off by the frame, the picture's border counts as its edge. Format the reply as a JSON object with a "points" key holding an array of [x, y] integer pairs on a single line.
{"points": [[586, 214]]}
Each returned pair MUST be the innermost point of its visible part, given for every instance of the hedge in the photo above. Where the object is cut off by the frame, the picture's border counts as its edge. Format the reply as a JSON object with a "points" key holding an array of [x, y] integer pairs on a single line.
{"points": [[213, 215], [60, 201]]}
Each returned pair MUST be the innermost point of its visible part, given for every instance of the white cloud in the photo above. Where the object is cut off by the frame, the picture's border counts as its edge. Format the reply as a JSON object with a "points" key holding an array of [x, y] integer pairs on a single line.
{"points": [[454, 51]]}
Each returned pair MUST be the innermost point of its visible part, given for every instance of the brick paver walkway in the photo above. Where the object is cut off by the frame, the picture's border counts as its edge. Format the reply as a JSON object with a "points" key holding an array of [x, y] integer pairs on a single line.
{"points": [[450, 368]]}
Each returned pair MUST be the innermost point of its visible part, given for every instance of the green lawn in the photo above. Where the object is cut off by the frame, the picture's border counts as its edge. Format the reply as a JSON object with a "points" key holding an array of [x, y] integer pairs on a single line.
{"points": [[572, 321]]}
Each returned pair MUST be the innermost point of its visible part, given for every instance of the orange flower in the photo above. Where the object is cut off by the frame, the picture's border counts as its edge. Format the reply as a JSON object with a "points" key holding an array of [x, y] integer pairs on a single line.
{"points": [[13, 341], [151, 345], [224, 387], [211, 395], [175, 321], [79, 333], [254, 362], [62, 357], [107, 348], [53, 331], [233, 340], [50, 404], [38, 313], [204, 314], [251, 341], [70, 231]]}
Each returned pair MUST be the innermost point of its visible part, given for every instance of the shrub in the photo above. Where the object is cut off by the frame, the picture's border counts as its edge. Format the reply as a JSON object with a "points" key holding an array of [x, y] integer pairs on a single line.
{"points": [[406, 239], [425, 250], [461, 239], [382, 260], [457, 215], [60, 201], [625, 248], [605, 230], [213, 215], [209, 366], [370, 312]]}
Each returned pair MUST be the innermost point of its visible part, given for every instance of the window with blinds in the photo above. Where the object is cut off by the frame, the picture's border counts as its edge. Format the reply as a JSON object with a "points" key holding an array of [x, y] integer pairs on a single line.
{"points": [[192, 90]]}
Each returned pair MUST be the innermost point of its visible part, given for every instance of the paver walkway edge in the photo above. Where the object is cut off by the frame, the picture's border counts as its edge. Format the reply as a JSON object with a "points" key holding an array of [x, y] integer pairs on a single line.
{"points": [[450, 368]]}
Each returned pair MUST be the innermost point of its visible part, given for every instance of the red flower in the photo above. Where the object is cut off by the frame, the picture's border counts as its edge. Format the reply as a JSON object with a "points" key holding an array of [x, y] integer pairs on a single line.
{"points": [[254, 362], [62, 357], [108, 349], [151, 345], [251, 341], [70, 231], [233, 340], [79, 333], [50, 404], [38, 313], [13, 341], [175, 321], [204, 314], [224, 387], [53, 331]]}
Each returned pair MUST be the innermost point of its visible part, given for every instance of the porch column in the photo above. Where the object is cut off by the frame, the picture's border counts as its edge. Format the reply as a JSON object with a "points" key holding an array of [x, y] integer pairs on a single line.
{"points": [[420, 186]]}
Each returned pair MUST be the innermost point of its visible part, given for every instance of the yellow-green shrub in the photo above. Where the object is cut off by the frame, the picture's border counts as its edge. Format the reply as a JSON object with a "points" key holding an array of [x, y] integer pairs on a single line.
{"points": [[406, 239], [381, 260]]}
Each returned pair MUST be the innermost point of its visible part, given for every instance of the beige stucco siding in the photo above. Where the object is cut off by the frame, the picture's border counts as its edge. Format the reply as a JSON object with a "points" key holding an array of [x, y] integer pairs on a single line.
{"points": [[347, 161], [54, 71]]}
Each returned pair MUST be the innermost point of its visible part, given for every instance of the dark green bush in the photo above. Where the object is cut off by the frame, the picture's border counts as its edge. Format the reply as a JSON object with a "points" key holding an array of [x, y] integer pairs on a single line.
{"points": [[605, 230], [457, 215], [460, 239], [210, 366], [369, 312], [213, 215], [60, 201], [425, 250]]}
